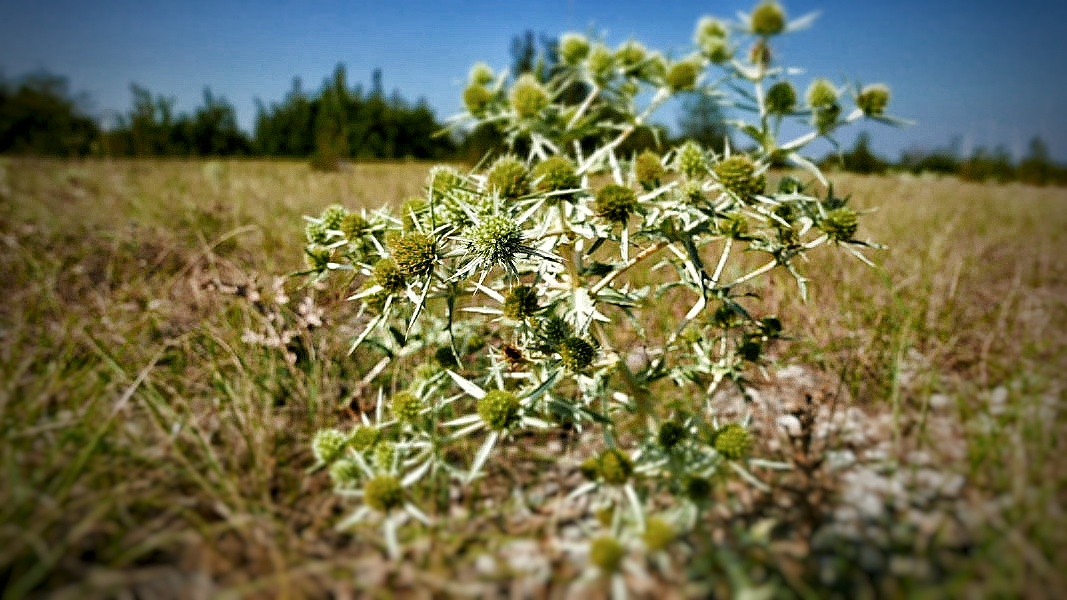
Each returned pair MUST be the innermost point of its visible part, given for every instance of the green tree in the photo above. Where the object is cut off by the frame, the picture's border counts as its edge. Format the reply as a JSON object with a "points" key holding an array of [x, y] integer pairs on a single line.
{"points": [[38, 115]]}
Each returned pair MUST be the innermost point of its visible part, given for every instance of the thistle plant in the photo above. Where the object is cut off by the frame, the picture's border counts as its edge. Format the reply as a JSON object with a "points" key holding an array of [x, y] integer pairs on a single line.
{"points": [[517, 283]]}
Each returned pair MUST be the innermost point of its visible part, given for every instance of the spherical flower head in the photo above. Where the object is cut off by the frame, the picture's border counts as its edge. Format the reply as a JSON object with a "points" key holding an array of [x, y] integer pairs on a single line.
{"points": [[497, 239], [682, 75], [711, 37], [654, 68], [648, 168], [692, 192], [345, 472], [477, 97], [790, 185], [499, 410], [781, 98], [768, 19], [750, 350], [406, 407], [873, 99], [388, 275], [691, 160], [615, 203], [601, 63], [328, 444], [556, 173], [332, 216], [384, 453], [528, 97], [821, 94], [383, 493], [364, 438], [630, 54], [520, 303], [317, 258], [509, 177], [590, 468], [770, 327], [697, 488], [415, 254], [671, 433], [615, 466], [576, 354], [573, 48], [481, 74], [732, 441], [354, 226], [606, 553], [840, 224], [444, 181], [738, 175], [316, 232], [445, 357], [553, 331], [658, 534]]}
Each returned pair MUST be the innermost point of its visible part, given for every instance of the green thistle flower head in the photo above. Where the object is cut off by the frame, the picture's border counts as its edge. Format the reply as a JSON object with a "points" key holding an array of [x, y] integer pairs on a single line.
{"points": [[790, 185], [499, 410], [481, 74], [333, 215], [477, 97], [528, 98], [576, 354], [553, 331], [384, 453], [317, 258], [732, 441], [328, 444], [821, 94], [406, 407], [654, 68], [671, 433], [345, 472], [768, 19], [444, 181], [383, 493], [601, 63], [691, 160], [573, 48], [697, 488], [781, 98], [648, 169], [682, 75], [590, 468], [388, 275], [364, 438], [658, 534], [692, 193], [750, 350], [615, 203], [316, 232], [509, 177], [556, 173], [840, 224], [630, 54], [415, 254], [520, 303], [496, 240], [606, 553], [615, 467], [738, 175], [711, 37], [354, 226], [445, 357], [873, 99]]}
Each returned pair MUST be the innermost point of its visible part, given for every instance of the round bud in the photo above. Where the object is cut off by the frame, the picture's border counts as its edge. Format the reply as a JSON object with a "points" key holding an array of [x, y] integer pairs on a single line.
{"points": [[630, 54], [658, 534], [750, 350], [711, 37], [499, 410], [615, 467], [573, 48], [316, 233], [406, 407], [790, 185], [444, 181], [415, 254], [554, 174], [692, 192], [590, 468], [520, 303], [384, 453], [354, 226], [576, 354], [388, 275], [649, 169], [615, 203], [697, 488], [682, 75], [671, 433], [477, 98], [737, 174], [328, 444], [606, 553], [528, 98], [691, 160], [821, 94], [345, 472], [364, 438], [481, 74], [732, 441], [497, 239], [383, 493], [333, 215], [781, 98], [509, 177], [553, 331], [601, 64], [873, 99], [654, 68], [825, 118], [840, 224], [768, 19], [445, 357]]}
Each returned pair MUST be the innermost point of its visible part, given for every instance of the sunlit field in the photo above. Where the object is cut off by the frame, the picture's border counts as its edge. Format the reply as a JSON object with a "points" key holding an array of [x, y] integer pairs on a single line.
{"points": [[161, 374]]}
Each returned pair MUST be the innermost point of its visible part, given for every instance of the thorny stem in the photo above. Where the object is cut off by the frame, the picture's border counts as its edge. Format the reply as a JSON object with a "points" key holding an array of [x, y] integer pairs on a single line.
{"points": [[593, 93], [640, 257]]}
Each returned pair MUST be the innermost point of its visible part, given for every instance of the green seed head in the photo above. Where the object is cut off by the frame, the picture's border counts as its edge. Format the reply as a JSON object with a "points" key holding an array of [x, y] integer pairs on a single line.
{"points": [[658, 534], [615, 466], [445, 357], [649, 169], [520, 303], [840, 224], [576, 354], [682, 75], [671, 433], [384, 453], [499, 410], [477, 98], [732, 441], [509, 177], [601, 63], [738, 175], [790, 185], [630, 54], [781, 98], [768, 19], [691, 160], [873, 99], [316, 232], [444, 181], [711, 37], [750, 350], [528, 98], [654, 68], [383, 493], [354, 225], [406, 407], [590, 468], [345, 472], [317, 258], [497, 239], [615, 203], [553, 331], [554, 174], [606, 553], [364, 438], [415, 254], [328, 444], [333, 215], [388, 275], [821, 94], [692, 192], [481, 74], [697, 488], [573, 48]]}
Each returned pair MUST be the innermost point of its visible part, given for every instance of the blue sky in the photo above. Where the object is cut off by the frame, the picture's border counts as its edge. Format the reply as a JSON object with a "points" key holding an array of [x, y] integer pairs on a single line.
{"points": [[986, 72]]}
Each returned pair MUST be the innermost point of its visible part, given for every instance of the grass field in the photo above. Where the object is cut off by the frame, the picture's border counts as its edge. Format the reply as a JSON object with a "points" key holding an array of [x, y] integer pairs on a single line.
{"points": [[160, 378]]}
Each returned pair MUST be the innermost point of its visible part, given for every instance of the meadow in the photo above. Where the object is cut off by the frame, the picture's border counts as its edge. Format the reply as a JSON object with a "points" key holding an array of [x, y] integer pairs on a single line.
{"points": [[161, 375]]}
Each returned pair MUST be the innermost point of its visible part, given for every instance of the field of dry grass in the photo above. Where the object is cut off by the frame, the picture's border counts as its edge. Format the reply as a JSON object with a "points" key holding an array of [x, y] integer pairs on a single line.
{"points": [[160, 377]]}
